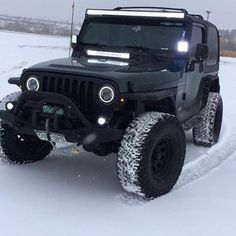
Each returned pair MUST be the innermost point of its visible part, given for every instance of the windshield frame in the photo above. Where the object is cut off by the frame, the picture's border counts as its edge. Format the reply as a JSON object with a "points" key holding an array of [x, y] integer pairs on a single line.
{"points": [[138, 21]]}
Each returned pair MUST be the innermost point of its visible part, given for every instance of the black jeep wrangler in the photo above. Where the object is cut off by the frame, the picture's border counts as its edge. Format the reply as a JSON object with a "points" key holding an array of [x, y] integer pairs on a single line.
{"points": [[138, 77]]}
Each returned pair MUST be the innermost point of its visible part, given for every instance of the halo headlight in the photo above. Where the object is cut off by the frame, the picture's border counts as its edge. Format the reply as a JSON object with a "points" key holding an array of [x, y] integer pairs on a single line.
{"points": [[32, 83], [106, 94]]}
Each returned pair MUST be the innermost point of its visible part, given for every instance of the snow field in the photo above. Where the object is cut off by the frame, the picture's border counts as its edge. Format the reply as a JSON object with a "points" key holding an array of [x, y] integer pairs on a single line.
{"points": [[81, 195]]}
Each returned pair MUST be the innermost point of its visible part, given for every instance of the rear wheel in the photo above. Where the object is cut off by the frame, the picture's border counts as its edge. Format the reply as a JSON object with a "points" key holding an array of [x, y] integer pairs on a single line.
{"points": [[207, 132], [151, 155], [19, 148]]}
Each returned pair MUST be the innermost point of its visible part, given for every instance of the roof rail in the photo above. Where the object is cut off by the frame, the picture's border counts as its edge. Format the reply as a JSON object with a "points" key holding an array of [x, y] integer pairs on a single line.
{"points": [[164, 9], [198, 16]]}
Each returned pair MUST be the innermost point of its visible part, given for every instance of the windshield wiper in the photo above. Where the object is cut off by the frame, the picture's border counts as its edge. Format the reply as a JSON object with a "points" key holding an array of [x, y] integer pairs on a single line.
{"points": [[101, 46], [145, 50]]}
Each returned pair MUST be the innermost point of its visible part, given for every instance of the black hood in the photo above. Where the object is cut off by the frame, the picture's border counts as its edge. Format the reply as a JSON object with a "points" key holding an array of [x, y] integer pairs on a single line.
{"points": [[146, 76]]}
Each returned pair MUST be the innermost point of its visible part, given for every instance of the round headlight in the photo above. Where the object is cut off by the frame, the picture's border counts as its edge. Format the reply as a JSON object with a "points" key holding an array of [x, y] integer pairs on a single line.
{"points": [[32, 84], [106, 94]]}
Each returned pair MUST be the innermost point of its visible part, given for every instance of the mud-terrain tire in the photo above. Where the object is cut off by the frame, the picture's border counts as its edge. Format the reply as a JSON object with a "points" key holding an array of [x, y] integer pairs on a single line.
{"points": [[20, 149], [151, 155], [207, 132]]}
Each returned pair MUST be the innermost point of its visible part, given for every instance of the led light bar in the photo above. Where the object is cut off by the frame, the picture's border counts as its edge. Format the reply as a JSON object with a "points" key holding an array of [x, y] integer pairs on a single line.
{"points": [[108, 54], [176, 15], [108, 62]]}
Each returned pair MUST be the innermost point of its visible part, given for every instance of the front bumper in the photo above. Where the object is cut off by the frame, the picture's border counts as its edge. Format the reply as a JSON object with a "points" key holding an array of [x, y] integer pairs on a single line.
{"points": [[28, 116]]}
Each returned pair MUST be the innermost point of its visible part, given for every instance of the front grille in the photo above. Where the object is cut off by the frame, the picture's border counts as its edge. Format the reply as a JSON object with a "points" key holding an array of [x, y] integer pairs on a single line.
{"points": [[79, 91], [82, 90]]}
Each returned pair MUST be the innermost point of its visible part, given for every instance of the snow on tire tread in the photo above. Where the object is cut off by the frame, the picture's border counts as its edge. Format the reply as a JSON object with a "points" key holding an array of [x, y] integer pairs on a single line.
{"points": [[129, 154], [203, 133]]}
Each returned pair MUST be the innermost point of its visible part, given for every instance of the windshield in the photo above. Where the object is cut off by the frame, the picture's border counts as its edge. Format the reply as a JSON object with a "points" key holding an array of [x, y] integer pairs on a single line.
{"points": [[163, 36]]}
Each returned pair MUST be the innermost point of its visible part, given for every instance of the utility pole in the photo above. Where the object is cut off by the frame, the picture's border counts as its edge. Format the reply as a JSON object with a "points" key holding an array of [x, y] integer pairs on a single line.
{"points": [[208, 15], [72, 26]]}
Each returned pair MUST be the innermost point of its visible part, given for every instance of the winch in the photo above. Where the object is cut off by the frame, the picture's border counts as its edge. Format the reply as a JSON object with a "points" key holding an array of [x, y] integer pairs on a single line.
{"points": [[53, 110]]}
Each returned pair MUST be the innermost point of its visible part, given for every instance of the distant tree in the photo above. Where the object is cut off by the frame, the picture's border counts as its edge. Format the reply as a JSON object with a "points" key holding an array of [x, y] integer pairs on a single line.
{"points": [[37, 26]]}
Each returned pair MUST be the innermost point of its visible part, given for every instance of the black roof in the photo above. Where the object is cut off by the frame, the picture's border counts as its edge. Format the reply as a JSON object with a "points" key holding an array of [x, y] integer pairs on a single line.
{"points": [[200, 20], [194, 17]]}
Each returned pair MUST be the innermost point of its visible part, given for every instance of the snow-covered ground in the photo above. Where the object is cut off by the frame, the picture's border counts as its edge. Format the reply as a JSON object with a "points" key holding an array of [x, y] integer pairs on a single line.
{"points": [[80, 195]]}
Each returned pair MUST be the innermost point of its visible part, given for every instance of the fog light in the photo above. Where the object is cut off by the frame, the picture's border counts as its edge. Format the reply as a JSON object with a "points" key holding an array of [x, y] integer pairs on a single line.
{"points": [[10, 106], [102, 120]]}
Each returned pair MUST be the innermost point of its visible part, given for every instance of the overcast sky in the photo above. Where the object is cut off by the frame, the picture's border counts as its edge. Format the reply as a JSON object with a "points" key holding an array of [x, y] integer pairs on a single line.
{"points": [[223, 11]]}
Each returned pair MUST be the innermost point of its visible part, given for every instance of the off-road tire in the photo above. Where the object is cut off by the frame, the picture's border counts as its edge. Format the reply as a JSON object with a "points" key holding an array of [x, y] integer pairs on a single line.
{"points": [[151, 140], [19, 149], [207, 132]]}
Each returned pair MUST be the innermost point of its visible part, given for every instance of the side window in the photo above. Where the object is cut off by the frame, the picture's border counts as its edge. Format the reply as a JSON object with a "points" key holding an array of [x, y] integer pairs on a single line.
{"points": [[197, 37], [212, 41]]}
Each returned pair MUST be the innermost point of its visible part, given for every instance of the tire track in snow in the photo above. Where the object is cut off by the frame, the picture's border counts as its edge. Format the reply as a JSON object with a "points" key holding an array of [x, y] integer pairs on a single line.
{"points": [[210, 160], [21, 65], [18, 66], [43, 47]]}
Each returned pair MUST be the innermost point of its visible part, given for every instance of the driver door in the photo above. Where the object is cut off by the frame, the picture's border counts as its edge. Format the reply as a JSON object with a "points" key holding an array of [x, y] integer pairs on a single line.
{"points": [[194, 75]]}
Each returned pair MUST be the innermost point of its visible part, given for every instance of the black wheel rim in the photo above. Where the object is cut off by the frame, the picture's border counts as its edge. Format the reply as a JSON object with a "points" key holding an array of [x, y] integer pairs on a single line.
{"points": [[161, 158]]}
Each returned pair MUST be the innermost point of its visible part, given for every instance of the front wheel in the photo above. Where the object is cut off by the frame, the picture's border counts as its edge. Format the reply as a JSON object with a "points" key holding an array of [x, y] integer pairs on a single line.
{"points": [[151, 155], [19, 148]]}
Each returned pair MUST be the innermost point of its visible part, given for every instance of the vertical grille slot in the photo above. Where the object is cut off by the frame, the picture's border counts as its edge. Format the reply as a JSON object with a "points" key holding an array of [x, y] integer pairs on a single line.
{"points": [[90, 94], [82, 94], [48, 84], [63, 86], [51, 84], [59, 85], [45, 83], [71, 87], [67, 88], [74, 89]]}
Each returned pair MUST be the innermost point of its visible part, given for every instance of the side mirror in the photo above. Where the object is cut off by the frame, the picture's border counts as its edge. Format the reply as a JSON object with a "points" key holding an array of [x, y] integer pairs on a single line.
{"points": [[73, 40], [202, 51]]}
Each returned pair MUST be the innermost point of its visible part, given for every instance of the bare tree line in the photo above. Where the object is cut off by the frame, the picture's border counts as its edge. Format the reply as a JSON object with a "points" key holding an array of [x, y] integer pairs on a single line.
{"points": [[228, 43], [38, 26], [228, 39]]}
